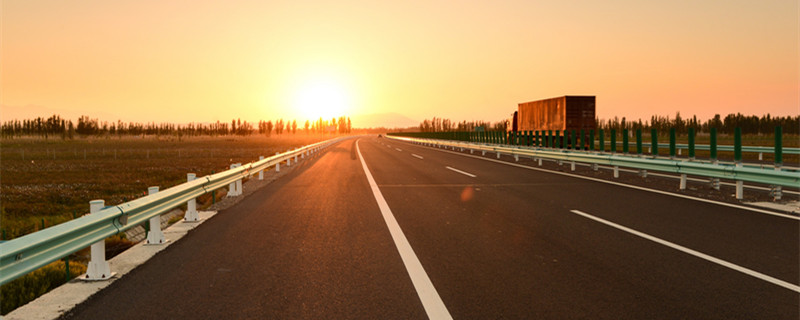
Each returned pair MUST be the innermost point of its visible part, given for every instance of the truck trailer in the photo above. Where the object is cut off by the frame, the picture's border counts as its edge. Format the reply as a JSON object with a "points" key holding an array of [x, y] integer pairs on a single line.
{"points": [[561, 113]]}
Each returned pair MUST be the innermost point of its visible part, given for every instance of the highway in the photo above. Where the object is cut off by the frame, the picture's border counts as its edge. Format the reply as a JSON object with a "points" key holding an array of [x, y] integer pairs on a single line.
{"points": [[374, 228]]}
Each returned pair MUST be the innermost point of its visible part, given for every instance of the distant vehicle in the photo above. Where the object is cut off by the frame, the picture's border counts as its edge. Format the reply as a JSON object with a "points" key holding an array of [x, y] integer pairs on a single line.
{"points": [[380, 136], [561, 113]]}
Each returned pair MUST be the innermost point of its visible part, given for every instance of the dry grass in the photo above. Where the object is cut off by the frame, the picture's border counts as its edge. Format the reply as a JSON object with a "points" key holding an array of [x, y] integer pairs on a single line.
{"points": [[54, 180]]}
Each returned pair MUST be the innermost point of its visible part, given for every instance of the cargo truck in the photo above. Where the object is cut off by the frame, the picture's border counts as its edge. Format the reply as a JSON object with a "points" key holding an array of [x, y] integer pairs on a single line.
{"points": [[561, 113]]}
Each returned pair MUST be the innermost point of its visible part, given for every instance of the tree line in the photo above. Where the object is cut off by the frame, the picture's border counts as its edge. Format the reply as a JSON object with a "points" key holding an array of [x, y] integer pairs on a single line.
{"points": [[447, 125], [749, 124], [58, 127]]}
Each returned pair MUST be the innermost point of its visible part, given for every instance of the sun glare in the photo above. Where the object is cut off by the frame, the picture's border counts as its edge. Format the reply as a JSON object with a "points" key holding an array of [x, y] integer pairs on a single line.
{"points": [[321, 98]]}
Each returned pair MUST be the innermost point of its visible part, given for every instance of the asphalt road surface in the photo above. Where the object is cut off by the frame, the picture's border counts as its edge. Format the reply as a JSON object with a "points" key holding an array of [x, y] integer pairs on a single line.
{"points": [[430, 233]]}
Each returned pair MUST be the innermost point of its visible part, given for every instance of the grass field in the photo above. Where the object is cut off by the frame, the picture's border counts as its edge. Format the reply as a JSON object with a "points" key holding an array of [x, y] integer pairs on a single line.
{"points": [[47, 182]]}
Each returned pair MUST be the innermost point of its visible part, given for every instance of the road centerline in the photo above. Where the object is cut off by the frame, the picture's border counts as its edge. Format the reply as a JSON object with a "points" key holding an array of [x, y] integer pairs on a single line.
{"points": [[461, 172], [417, 156], [433, 304], [398, 149], [698, 254]]}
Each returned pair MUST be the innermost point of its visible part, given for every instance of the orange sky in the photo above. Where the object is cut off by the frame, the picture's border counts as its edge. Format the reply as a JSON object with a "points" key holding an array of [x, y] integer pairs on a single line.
{"points": [[198, 60]]}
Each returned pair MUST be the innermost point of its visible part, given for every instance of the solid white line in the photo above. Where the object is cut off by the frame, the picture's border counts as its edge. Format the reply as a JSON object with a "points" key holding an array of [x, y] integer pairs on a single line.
{"points": [[398, 149], [433, 304], [461, 172], [630, 186], [417, 156], [701, 255]]}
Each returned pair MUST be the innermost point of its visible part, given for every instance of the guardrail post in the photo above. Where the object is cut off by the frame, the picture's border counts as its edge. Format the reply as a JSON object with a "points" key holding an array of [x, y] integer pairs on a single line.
{"points": [[558, 140], [529, 137], [683, 182], [654, 145], [616, 171], [778, 192], [613, 141], [191, 205], [577, 142], [571, 140], [155, 236], [625, 141], [737, 156], [98, 268], [277, 165], [713, 149], [691, 143], [236, 186], [582, 140], [260, 172], [778, 146], [672, 143], [737, 145]]}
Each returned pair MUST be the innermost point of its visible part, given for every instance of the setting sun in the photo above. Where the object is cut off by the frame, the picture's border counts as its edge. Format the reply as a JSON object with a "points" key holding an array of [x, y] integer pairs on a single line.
{"points": [[321, 98]]}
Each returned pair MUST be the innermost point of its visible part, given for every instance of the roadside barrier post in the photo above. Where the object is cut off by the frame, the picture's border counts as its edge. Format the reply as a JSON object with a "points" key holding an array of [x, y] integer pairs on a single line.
{"points": [[642, 172], [691, 144], [155, 236], [558, 140], [582, 140], [191, 205], [625, 141], [613, 141], [737, 156], [236, 186], [577, 141], [529, 138], [569, 139], [672, 143], [98, 268], [277, 165], [713, 149], [778, 159], [261, 172], [654, 138]]}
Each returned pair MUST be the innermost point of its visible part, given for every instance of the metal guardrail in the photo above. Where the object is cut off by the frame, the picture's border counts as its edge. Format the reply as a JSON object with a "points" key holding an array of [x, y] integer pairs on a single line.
{"points": [[22, 255], [732, 172], [729, 148], [751, 149]]}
